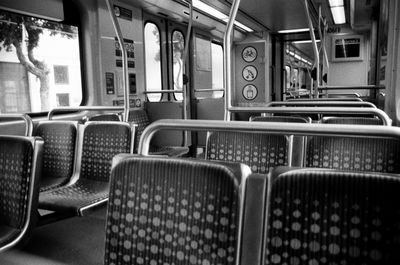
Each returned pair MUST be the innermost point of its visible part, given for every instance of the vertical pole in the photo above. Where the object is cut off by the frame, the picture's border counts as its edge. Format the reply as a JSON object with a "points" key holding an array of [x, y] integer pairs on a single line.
{"points": [[315, 50], [184, 59], [228, 40], [120, 38]]}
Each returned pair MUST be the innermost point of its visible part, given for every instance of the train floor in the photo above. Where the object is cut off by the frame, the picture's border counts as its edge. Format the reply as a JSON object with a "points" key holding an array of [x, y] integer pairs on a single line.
{"points": [[77, 241]]}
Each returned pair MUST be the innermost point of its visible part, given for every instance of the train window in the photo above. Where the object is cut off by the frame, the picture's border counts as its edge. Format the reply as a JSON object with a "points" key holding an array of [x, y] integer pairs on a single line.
{"points": [[217, 61], [287, 76], [178, 46], [39, 64], [152, 46]]}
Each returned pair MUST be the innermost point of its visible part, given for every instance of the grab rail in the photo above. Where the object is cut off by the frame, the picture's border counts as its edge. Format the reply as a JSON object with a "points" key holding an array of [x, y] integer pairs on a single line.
{"points": [[334, 103], [28, 121], [82, 108], [323, 99], [320, 110], [260, 127], [351, 87]]}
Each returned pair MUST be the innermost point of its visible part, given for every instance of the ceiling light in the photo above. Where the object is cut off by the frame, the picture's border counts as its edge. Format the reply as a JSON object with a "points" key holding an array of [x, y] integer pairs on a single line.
{"points": [[338, 15], [209, 10], [217, 14], [294, 30], [304, 41], [337, 10], [333, 3], [244, 27]]}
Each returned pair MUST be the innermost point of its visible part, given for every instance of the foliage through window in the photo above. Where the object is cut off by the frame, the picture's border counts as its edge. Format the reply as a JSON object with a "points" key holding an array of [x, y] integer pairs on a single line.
{"points": [[178, 47], [38, 46], [152, 46]]}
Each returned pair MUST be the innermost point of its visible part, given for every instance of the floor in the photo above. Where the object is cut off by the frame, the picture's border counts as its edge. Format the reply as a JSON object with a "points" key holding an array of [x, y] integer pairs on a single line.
{"points": [[77, 240]]}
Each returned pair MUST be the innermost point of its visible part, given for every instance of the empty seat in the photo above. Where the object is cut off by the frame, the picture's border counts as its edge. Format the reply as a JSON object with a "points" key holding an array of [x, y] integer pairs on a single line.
{"points": [[141, 119], [100, 142], [20, 166], [173, 211], [356, 154], [258, 151], [59, 152], [332, 217], [352, 120]]}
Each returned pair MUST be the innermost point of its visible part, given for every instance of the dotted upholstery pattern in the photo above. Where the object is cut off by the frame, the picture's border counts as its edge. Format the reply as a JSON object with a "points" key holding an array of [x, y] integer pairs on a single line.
{"points": [[140, 118], [172, 211], [377, 155], [258, 151], [352, 120], [101, 142], [104, 117], [15, 178], [350, 219], [59, 152]]}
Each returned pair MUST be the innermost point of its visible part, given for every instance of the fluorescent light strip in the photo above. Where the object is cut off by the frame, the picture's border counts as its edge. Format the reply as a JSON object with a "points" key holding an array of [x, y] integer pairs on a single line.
{"points": [[304, 41], [217, 14], [338, 15], [294, 30], [333, 3]]}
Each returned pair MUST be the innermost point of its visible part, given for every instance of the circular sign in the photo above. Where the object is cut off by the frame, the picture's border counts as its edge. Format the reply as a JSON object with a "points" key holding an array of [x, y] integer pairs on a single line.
{"points": [[249, 54], [250, 92], [249, 73]]}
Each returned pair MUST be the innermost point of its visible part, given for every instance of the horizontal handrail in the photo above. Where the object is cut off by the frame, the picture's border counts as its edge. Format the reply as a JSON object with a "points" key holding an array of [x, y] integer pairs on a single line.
{"points": [[162, 91], [320, 110], [209, 90], [334, 103], [81, 108], [28, 121], [323, 99], [266, 127], [351, 87]]}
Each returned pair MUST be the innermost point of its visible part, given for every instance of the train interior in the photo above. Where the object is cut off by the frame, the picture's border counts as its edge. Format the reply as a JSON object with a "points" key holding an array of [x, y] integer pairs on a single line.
{"points": [[199, 132]]}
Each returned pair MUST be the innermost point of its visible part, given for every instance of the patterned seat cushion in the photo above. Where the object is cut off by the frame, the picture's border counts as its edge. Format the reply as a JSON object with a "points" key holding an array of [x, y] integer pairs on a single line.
{"points": [[172, 211], [15, 178], [59, 151], [258, 151], [101, 142], [70, 199], [104, 117], [331, 217], [377, 155]]}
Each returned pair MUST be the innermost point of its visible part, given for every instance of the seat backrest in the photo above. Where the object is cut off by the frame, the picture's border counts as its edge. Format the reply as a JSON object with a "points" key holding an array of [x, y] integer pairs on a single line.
{"points": [[358, 154], [141, 119], [20, 165], [104, 117], [175, 211], [59, 150], [319, 216], [281, 119], [258, 151], [100, 142], [352, 120]]}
